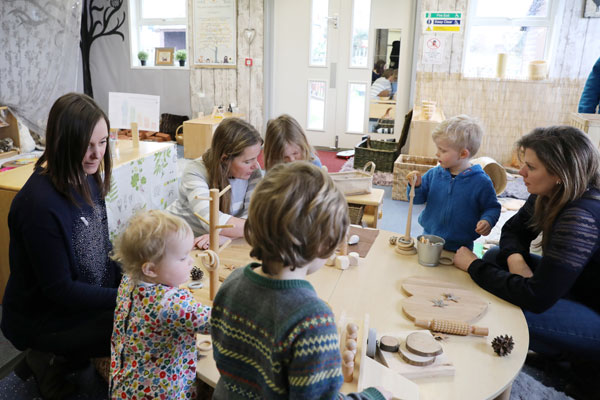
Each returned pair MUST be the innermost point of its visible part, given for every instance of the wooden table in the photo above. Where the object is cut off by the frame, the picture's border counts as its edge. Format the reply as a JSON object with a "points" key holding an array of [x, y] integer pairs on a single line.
{"points": [[198, 132], [12, 181], [372, 202], [374, 287]]}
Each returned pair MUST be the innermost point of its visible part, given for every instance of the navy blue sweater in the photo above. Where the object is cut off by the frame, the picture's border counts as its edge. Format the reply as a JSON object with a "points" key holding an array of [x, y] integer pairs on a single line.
{"points": [[455, 205], [60, 269], [570, 266]]}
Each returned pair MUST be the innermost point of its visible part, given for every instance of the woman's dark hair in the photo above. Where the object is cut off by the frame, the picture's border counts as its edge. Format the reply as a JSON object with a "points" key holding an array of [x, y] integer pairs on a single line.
{"points": [[569, 154], [379, 66], [71, 121]]}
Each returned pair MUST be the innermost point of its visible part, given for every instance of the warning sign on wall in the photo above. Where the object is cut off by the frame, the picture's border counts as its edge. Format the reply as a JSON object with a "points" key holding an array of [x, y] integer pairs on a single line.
{"points": [[438, 21], [433, 50]]}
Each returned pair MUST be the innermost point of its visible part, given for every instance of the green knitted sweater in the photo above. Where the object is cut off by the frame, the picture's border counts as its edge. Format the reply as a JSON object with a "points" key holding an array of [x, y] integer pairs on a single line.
{"points": [[275, 339]]}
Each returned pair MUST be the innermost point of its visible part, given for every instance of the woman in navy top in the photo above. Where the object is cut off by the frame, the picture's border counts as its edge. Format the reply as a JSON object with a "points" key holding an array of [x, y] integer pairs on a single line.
{"points": [[60, 297]]}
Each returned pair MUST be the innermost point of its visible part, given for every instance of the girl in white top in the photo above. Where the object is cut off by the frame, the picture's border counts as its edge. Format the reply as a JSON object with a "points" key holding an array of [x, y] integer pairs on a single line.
{"points": [[231, 160]]}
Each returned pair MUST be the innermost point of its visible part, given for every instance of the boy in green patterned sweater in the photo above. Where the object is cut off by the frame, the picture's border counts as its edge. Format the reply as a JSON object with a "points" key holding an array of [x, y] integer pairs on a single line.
{"points": [[273, 338]]}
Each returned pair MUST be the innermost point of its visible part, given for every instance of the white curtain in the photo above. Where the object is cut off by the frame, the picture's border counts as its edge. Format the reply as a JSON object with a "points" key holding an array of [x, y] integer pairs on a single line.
{"points": [[39, 56]]}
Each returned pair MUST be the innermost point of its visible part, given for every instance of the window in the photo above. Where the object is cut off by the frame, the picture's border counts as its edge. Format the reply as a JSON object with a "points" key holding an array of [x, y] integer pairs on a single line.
{"points": [[157, 23], [521, 29], [318, 33]]}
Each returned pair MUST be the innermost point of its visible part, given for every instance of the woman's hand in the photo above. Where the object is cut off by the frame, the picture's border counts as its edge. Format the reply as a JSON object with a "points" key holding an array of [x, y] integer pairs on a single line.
{"points": [[517, 265], [483, 228], [463, 258], [202, 242]]}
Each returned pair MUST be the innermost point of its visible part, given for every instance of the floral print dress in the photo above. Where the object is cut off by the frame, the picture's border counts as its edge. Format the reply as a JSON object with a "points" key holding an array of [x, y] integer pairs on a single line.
{"points": [[153, 353]]}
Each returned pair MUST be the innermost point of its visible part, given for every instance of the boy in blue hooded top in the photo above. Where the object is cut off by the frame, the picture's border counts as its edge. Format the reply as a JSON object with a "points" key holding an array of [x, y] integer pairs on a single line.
{"points": [[461, 200]]}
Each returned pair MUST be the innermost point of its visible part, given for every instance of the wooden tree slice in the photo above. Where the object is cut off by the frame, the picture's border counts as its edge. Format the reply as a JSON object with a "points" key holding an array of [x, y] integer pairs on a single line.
{"points": [[423, 344], [414, 359], [465, 306], [389, 343]]}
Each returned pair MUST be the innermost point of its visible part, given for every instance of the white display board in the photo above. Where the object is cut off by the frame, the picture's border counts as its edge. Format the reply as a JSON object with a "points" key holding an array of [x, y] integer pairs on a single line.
{"points": [[214, 33], [125, 108]]}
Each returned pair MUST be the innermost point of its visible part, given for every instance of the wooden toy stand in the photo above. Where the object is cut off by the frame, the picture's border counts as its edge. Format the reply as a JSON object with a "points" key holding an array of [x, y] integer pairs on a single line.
{"points": [[406, 245], [210, 258]]}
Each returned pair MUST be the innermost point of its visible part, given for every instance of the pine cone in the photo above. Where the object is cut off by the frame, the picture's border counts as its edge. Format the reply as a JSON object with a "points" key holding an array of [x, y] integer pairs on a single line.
{"points": [[503, 345], [197, 274]]}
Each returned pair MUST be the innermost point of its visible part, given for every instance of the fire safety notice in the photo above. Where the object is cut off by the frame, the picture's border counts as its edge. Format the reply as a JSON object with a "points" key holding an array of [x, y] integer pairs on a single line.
{"points": [[439, 21]]}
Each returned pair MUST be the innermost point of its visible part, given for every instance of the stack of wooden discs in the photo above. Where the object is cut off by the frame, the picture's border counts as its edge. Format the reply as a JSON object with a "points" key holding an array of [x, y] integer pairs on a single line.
{"points": [[419, 349]]}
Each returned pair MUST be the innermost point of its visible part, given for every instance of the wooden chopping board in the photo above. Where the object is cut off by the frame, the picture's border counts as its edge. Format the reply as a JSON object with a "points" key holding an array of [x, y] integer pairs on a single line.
{"points": [[468, 307]]}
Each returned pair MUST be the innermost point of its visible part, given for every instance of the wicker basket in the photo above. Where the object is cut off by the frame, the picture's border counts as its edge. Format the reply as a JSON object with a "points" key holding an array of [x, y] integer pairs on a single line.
{"points": [[403, 165], [380, 152], [355, 182], [356, 212]]}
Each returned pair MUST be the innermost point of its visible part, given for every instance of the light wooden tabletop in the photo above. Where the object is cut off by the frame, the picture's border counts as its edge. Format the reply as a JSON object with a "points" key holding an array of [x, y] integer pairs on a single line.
{"points": [[374, 288]]}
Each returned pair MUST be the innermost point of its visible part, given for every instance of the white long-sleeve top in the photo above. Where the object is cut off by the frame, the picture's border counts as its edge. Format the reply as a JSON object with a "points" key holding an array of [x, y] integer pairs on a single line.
{"points": [[194, 182]]}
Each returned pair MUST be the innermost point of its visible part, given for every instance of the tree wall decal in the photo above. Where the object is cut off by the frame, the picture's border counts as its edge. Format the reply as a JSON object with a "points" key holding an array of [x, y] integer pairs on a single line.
{"points": [[96, 22]]}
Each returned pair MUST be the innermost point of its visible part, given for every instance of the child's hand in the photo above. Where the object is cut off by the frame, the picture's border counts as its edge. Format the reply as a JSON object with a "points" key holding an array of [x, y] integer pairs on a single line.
{"points": [[483, 228], [412, 175]]}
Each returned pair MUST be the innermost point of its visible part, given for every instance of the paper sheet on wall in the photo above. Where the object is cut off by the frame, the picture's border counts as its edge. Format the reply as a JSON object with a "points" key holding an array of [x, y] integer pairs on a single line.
{"points": [[214, 32], [433, 50], [125, 108]]}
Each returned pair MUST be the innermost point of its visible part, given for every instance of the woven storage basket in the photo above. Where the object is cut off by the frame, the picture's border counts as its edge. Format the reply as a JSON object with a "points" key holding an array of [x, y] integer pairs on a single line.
{"points": [[380, 152], [405, 164], [356, 212], [355, 182]]}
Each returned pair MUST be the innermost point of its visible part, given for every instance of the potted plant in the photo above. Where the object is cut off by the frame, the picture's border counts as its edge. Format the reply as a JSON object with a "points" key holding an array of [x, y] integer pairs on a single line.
{"points": [[181, 55], [142, 56]]}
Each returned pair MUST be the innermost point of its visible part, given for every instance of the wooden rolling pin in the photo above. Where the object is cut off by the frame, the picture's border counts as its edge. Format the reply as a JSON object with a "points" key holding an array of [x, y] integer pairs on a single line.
{"points": [[452, 327]]}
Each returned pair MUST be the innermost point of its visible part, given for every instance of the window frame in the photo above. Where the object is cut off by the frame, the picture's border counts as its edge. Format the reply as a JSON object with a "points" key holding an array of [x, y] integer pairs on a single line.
{"points": [[136, 22], [555, 9]]}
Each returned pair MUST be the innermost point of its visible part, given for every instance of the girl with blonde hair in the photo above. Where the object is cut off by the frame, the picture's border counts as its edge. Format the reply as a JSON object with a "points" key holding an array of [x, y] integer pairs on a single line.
{"points": [[285, 141]]}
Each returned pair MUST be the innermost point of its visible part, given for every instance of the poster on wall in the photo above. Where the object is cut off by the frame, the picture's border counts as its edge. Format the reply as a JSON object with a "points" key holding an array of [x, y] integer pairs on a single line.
{"points": [[125, 108], [214, 33], [433, 49]]}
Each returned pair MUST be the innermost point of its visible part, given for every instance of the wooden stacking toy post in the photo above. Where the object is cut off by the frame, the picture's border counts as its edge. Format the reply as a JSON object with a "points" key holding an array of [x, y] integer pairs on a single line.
{"points": [[135, 135], [406, 245], [212, 264]]}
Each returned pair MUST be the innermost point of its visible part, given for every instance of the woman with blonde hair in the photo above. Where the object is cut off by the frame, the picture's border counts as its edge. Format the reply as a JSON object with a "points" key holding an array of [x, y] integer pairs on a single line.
{"points": [[558, 291], [232, 159], [285, 141]]}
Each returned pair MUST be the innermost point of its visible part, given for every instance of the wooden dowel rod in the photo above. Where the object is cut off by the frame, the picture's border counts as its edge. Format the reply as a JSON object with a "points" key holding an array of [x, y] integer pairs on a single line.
{"points": [[224, 226], [201, 218], [224, 190], [227, 243], [202, 198]]}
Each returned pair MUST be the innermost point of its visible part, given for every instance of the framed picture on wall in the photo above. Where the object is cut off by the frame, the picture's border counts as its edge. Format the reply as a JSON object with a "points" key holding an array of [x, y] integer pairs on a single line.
{"points": [[163, 55], [214, 33], [592, 9]]}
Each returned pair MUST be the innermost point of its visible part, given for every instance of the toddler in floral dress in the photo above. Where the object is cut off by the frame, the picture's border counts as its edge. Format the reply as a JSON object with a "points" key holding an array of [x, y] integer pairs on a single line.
{"points": [[153, 352]]}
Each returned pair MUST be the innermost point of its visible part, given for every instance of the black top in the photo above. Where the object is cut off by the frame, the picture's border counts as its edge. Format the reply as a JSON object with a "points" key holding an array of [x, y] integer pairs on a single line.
{"points": [[60, 269], [570, 267]]}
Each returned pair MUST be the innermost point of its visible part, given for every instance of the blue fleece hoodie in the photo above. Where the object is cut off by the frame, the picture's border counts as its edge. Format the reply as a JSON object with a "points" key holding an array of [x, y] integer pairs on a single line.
{"points": [[455, 205]]}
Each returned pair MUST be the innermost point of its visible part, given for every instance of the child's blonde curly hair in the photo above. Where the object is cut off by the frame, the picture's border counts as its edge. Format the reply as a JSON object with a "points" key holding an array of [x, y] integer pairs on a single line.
{"points": [[145, 240]]}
